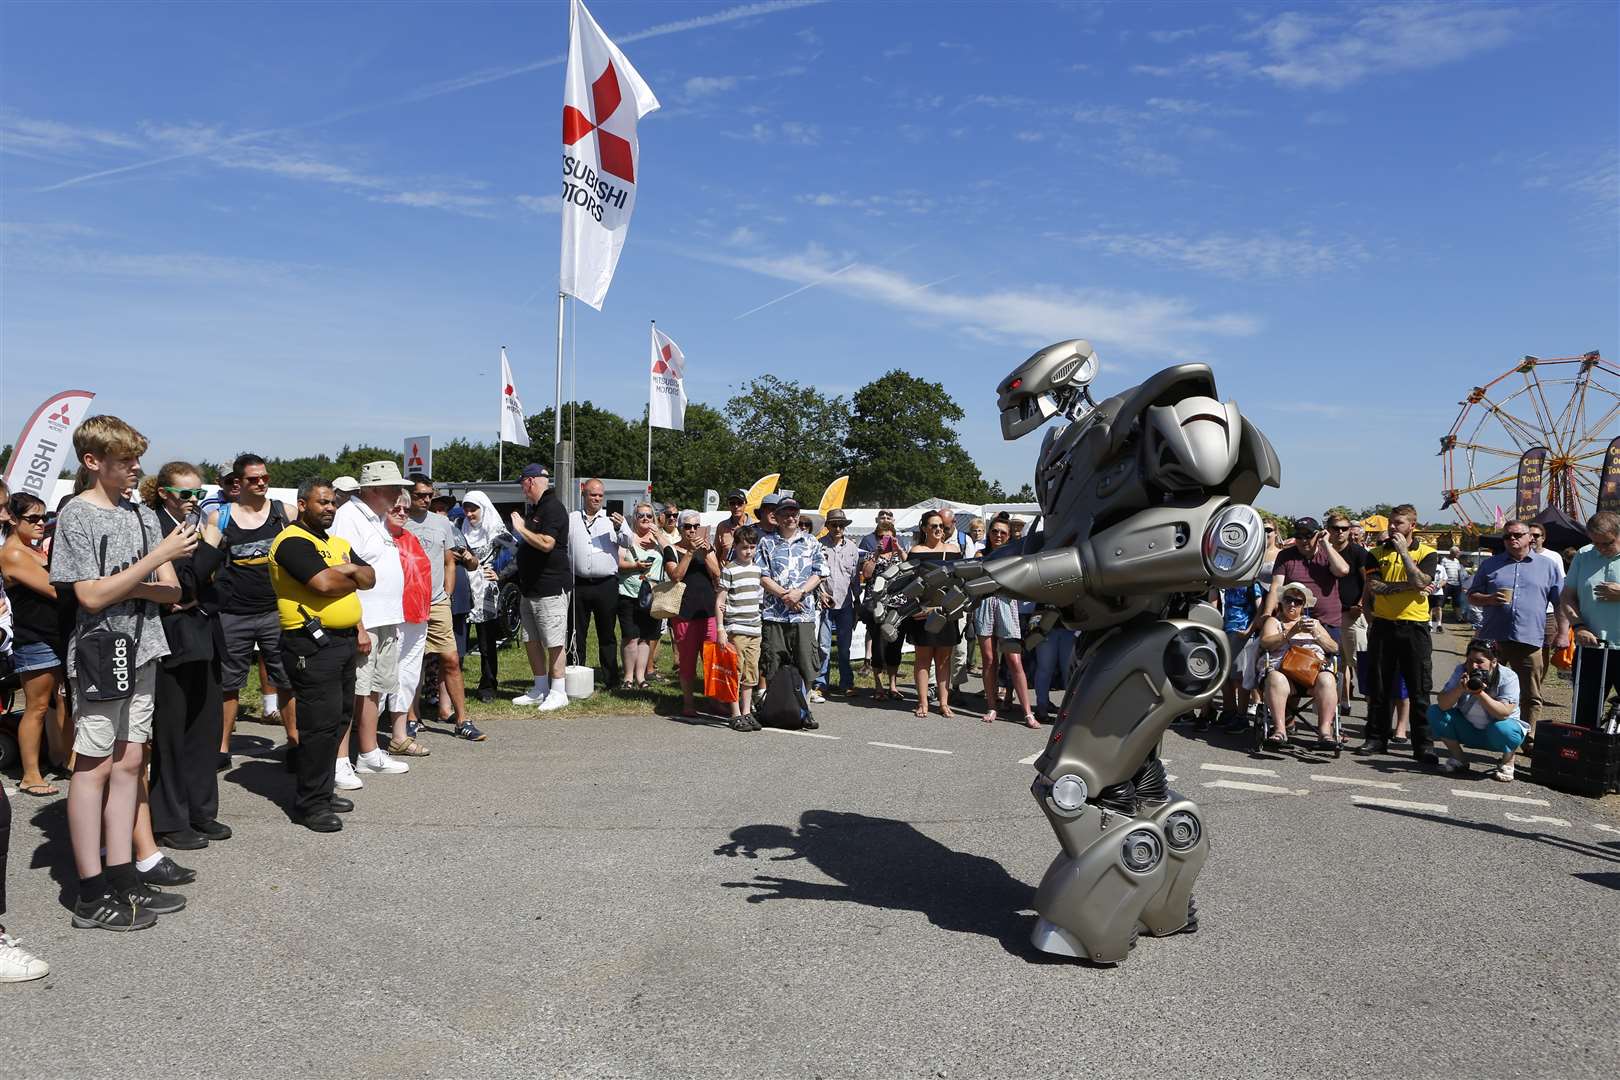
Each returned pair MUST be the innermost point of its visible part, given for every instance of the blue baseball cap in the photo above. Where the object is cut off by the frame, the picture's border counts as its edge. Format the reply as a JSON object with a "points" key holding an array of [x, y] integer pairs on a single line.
{"points": [[770, 500], [531, 471]]}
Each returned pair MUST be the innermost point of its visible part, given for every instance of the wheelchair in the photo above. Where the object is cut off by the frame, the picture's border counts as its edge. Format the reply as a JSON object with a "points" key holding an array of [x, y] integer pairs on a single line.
{"points": [[1297, 708]]}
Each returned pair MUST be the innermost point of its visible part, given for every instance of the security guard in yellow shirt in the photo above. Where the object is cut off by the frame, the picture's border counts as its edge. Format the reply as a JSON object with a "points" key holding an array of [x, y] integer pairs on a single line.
{"points": [[1398, 637], [315, 577]]}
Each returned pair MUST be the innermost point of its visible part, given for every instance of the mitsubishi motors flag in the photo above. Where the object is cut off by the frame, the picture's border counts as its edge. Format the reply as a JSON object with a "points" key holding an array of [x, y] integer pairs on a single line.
{"points": [[666, 400], [602, 100], [513, 428], [46, 444]]}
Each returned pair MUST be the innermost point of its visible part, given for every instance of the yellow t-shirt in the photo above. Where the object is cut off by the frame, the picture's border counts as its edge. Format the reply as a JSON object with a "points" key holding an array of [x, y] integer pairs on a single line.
{"points": [[1405, 606], [294, 599]]}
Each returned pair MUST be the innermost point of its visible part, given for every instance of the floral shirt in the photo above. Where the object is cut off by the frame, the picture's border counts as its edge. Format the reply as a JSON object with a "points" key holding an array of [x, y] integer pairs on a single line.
{"points": [[791, 564]]}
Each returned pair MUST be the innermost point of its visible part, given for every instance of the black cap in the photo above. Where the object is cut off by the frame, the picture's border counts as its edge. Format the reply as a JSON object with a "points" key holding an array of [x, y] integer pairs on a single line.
{"points": [[787, 502], [738, 494], [1307, 526], [531, 471]]}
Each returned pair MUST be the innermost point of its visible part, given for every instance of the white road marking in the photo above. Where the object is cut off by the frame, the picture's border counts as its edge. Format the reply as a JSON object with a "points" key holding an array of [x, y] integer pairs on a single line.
{"points": [[1536, 819], [805, 734], [1170, 779], [1605, 828], [902, 746], [1032, 759], [1400, 804], [1497, 796], [1270, 789], [1359, 781], [1243, 769]]}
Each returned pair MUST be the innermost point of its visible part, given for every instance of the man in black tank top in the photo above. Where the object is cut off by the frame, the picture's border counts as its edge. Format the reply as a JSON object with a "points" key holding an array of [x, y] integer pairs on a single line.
{"points": [[242, 594]]}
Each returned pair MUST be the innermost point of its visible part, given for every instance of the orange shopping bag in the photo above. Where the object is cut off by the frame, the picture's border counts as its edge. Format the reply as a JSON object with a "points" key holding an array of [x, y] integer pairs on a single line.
{"points": [[720, 681]]}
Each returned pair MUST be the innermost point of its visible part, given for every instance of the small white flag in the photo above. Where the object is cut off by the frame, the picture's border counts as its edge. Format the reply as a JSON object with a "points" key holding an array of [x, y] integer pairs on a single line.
{"points": [[513, 428], [601, 158], [666, 400]]}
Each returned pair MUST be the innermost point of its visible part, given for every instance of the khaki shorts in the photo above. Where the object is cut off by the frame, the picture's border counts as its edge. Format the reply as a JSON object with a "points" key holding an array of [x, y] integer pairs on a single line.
{"points": [[747, 658], [378, 670], [97, 725], [545, 619], [441, 632]]}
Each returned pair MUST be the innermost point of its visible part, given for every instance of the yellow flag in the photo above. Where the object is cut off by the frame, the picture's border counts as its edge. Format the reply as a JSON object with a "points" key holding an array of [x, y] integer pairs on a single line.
{"points": [[832, 499], [756, 494]]}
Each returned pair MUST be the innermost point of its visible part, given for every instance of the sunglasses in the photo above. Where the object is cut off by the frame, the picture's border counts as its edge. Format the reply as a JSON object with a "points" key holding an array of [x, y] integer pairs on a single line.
{"points": [[1339, 528], [1270, 530], [256, 480], [33, 519], [644, 517], [935, 525], [186, 493], [1292, 600], [1516, 536], [693, 525], [421, 494], [396, 510]]}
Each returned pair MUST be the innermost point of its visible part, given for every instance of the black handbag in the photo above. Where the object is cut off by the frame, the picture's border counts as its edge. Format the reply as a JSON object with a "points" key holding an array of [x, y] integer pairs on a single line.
{"points": [[644, 597], [104, 657]]}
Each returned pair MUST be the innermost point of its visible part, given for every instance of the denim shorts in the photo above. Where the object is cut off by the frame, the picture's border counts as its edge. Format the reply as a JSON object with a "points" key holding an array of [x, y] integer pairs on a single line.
{"points": [[35, 656]]}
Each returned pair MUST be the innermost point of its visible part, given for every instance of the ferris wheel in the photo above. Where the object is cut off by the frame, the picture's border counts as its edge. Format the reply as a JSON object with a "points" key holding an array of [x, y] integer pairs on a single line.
{"points": [[1568, 404]]}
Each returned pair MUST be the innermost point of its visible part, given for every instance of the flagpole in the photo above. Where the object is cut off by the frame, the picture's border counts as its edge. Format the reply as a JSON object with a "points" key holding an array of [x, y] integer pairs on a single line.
{"points": [[654, 337], [500, 429], [556, 418]]}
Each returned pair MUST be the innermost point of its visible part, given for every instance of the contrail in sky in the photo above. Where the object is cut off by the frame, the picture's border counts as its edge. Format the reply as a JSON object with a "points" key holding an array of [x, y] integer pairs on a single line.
{"points": [[797, 291], [451, 86]]}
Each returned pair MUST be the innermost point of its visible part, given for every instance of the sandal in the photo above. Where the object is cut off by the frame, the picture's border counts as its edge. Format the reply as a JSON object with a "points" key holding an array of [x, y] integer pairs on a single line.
{"points": [[945, 711], [39, 791], [642, 685], [1276, 741], [1030, 721], [920, 713], [408, 748], [989, 717]]}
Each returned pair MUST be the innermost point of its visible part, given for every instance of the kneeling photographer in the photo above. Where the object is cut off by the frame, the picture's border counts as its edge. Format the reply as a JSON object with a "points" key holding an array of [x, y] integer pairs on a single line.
{"points": [[1479, 707]]}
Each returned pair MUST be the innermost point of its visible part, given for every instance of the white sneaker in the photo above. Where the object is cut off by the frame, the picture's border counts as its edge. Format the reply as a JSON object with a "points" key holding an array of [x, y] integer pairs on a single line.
{"points": [[379, 761], [536, 693], [18, 964], [556, 699], [817, 698], [345, 780], [1503, 772]]}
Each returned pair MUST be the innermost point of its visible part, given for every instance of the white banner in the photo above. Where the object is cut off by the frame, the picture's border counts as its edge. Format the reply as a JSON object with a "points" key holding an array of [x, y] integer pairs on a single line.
{"points": [[666, 397], [513, 427], [45, 446], [418, 455], [601, 158]]}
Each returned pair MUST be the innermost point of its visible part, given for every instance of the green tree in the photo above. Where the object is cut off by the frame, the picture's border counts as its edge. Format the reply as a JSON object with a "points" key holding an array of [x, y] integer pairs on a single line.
{"points": [[605, 443], [463, 461], [795, 430], [901, 447], [705, 455]]}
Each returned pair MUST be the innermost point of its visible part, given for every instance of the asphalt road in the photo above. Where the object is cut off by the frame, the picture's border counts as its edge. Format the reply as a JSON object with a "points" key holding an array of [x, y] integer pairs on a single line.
{"points": [[608, 897]]}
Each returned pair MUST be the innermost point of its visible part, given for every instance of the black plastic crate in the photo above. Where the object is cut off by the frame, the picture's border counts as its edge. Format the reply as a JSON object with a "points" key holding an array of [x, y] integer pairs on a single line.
{"points": [[1579, 760]]}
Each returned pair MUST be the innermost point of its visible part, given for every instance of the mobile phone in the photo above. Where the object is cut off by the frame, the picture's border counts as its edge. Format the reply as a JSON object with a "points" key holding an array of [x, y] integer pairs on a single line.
{"points": [[615, 506]]}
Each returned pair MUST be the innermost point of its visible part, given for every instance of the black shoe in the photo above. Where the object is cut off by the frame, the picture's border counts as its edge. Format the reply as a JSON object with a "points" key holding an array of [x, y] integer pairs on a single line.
{"points": [[340, 805], [214, 829], [1431, 760], [810, 723], [167, 872], [223, 763], [183, 840], [149, 898], [321, 821], [1399, 743], [1373, 746], [111, 913], [740, 722], [486, 694]]}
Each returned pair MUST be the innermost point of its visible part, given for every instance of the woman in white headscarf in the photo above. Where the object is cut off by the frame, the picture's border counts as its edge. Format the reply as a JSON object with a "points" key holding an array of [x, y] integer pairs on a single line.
{"points": [[486, 537]]}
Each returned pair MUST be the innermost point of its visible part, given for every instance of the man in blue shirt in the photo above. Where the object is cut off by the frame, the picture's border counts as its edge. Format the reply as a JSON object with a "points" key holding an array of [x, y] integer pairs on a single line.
{"points": [[792, 564], [1513, 590], [1480, 708]]}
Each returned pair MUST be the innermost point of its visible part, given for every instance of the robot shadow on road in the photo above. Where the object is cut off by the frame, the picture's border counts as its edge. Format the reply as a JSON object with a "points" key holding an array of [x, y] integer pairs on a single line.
{"points": [[884, 863]]}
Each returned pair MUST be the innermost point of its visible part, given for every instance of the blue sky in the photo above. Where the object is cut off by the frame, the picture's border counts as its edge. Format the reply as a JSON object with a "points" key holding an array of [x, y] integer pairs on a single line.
{"points": [[289, 226]]}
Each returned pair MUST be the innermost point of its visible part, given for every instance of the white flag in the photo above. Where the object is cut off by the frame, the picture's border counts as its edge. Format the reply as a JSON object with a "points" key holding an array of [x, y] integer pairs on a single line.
{"points": [[513, 428], [46, 444], [666, 401], [601, 158]]}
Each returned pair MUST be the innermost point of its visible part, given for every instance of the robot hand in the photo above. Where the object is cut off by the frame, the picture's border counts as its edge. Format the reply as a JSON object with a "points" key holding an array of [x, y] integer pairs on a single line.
{"points": [[944, 590]]}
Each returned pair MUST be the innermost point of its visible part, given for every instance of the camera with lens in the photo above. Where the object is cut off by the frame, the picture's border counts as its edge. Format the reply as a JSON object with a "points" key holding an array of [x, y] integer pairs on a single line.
{"points": [[1475, 682]]}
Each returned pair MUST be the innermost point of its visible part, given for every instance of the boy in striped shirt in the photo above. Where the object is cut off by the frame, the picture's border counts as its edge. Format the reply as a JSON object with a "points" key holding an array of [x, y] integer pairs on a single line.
{"points": [[737, 603]]}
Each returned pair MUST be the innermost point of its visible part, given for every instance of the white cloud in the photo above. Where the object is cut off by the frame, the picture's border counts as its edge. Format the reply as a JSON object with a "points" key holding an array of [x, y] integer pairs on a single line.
{"points": [[28, 137], [1029, 136], [742, 236], [1326, 118], [793, 132], [1316, 50], [1166, 37], [704, 85], [877, 205], [1190, 107], [1265, 254], [1032, 313], [541, 204], [902, 49]]}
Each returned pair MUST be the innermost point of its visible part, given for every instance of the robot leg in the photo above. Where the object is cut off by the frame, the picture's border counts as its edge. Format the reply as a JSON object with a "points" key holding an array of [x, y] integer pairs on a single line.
{"points": [[1131, 852]]}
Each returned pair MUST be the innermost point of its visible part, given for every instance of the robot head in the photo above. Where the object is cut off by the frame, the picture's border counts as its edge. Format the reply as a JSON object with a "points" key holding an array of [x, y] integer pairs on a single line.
{"points": [[1052, 381], [1192, 443]]}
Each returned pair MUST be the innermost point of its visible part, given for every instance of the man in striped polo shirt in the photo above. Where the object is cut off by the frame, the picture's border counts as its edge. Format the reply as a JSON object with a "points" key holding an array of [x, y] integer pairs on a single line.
{"points": [[737, 605]]}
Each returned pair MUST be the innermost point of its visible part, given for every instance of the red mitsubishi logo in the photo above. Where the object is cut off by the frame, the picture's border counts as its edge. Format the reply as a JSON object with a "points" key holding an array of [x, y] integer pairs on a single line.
{"points": [[508, 390], [60, 413], [661, 365], [613, 151]]}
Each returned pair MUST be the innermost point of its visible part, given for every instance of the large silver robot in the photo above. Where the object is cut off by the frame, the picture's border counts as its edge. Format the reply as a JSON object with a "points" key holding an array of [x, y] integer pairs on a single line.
{"points": [[1145, 500]]}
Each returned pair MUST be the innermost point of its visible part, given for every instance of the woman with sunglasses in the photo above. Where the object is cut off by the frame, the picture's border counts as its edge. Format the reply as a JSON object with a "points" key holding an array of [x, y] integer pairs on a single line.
{"points": [[998, 623], [36, 645], [694, 562], [932, 649], [879, 549], [187, 704], [1291, 626], [641, 561], [416, 602]]}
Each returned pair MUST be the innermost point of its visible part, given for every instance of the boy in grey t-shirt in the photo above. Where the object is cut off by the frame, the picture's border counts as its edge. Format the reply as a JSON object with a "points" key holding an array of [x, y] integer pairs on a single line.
{"points": [[116, 560]]}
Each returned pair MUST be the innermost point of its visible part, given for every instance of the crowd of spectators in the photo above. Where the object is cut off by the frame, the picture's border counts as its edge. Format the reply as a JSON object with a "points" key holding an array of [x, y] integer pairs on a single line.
{"points": [[135, 615]]}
